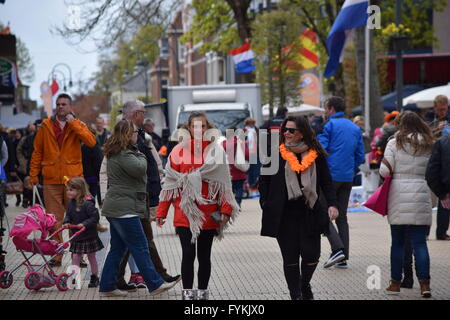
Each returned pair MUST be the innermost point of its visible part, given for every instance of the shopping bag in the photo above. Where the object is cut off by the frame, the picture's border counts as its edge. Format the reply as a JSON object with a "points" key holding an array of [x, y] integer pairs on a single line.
{"points": [[378, 201]]}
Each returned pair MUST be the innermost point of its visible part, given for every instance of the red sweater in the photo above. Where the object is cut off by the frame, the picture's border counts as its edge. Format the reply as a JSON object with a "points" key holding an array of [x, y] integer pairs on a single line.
{"points": [[180, 220], [236, 174]]}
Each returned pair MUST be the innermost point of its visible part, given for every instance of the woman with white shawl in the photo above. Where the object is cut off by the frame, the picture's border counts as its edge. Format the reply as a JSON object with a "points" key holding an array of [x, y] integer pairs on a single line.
{"points": [[198, 184]]}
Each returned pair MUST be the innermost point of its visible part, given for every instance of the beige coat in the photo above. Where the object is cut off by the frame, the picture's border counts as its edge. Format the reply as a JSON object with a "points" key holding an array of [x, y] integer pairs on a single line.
{"points": [[409, 197]]}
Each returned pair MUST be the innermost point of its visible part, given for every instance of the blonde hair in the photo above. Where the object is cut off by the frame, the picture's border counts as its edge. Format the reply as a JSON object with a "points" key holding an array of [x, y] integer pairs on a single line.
{"points": [[358, 119], [440, 100], [79, 184]]}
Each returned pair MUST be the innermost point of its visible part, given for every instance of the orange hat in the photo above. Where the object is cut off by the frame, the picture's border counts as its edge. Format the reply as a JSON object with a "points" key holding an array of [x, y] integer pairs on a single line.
{"points": [[390, 116]]}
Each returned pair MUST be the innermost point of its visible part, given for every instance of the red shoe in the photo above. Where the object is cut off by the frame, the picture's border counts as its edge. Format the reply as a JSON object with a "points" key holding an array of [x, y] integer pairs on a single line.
{"points": [[133, 279], [140, 283]]}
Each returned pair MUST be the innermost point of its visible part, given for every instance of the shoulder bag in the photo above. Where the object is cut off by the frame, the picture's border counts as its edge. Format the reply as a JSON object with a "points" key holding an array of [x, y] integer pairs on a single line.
{"points": [[378, 201]]}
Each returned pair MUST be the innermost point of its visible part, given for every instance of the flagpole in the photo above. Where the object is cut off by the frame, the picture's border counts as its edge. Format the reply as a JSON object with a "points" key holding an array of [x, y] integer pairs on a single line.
{"points": [[366, 81]]}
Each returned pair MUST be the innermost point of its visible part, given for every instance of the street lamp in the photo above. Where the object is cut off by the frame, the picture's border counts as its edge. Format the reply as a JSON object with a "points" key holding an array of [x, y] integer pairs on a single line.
{"points": [[143, 63], [67, 67], [52, 76]]}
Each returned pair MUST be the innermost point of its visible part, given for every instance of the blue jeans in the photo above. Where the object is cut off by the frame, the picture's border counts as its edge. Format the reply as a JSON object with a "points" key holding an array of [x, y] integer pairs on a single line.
{"points": [[419, 245], [127, 233]]}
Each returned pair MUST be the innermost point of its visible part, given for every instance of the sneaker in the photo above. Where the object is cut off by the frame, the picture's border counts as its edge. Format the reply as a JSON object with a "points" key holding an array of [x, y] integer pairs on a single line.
{"points": [[132, 281], [114, 293], [139, 281], [94, 281], [127, 288], [307, 293], [394, 288], [171, 279], [164, 287], [341, 265], [335, 257]]}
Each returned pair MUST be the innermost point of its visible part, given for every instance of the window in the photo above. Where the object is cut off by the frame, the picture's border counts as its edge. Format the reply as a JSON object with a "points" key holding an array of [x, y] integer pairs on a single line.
{"points": [[164, 47]]}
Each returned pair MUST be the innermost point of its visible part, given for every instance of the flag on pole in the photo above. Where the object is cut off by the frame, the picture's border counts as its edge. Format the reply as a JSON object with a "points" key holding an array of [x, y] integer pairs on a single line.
{"points": [[54, 87], [352, 15], [243, 59], [310, 56], [307, 55]]}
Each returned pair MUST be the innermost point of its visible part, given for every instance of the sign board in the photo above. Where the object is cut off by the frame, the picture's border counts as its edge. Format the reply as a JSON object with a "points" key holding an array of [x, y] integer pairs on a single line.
{"points": [[8, 69]]}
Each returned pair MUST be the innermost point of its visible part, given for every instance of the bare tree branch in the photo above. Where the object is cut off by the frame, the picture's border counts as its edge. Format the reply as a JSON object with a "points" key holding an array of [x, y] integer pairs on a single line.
{"points": [[107, 21]]}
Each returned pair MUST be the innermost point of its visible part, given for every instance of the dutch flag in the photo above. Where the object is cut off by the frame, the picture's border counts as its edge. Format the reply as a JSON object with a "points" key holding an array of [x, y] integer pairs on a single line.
{"points": [[243, 59], [352, 15]]}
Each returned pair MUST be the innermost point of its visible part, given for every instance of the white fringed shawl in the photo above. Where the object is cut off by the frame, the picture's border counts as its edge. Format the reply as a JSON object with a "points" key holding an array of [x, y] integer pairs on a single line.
{"points": [[215, 171]]}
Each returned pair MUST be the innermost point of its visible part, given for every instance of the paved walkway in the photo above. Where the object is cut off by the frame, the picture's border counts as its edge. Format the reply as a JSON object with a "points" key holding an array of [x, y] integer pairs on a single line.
{"points": [[246, 266]]}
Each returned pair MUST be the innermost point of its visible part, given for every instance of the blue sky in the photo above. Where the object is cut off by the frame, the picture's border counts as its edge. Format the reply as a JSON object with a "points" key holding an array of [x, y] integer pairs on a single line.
{"points": [[31, 20]]}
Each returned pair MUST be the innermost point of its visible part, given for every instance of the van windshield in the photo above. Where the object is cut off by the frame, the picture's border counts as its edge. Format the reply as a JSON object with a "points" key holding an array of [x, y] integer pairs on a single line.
{"points": [[223, 119]]}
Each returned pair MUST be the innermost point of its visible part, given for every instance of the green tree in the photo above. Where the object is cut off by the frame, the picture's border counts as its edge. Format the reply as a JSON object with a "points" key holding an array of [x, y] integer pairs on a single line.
{"points": [[214, 24], [277, 44], [416, 16]]}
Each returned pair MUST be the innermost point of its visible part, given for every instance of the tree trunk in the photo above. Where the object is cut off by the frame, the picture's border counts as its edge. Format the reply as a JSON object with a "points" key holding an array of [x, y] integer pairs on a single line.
{"points": [[240, 9], [376, 109]]}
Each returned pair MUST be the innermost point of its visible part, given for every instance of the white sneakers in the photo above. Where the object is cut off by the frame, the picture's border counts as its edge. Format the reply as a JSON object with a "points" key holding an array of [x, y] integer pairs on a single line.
{"points": [[164, 287], [114, 293], [335, 258]]}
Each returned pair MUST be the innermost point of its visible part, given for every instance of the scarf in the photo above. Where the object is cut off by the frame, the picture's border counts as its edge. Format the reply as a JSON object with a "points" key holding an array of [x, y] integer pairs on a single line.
{"points": [[308, 177], [188, 186]]}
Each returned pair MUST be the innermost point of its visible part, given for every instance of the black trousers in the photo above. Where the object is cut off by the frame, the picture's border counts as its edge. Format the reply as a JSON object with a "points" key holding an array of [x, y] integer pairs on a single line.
{"points": [[201, 248], [296, 240], [442, 221]]}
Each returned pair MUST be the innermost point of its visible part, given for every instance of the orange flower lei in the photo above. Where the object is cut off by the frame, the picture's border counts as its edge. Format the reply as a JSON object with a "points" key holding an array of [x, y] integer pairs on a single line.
{"points": [[293, 161]]}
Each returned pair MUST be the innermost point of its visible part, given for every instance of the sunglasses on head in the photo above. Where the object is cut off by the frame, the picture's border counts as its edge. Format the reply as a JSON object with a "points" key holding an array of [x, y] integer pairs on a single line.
{"points": [[290, 130]]}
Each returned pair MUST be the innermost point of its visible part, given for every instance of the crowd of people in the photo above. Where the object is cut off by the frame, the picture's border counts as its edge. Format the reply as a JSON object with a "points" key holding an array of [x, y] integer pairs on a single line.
{"points": [[305, 198]]}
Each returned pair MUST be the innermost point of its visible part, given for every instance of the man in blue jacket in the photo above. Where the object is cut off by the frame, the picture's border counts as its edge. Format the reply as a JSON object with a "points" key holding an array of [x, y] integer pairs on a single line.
{"points": [[343, 141]]}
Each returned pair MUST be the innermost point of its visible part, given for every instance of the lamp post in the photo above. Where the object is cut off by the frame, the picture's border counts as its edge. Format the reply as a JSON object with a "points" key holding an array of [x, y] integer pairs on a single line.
{"points": [[67, 67], [52, 76], [399, 61], [143, 63]]}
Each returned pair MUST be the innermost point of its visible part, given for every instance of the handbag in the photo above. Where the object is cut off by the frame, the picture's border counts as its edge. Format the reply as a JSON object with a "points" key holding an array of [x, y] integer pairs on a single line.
{"points": [[14, 187], [378, 201], [240, 162]]}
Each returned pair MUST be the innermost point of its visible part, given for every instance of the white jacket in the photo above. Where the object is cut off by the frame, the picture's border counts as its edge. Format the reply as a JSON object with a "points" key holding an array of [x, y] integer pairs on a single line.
{"points": [[409, 200]]}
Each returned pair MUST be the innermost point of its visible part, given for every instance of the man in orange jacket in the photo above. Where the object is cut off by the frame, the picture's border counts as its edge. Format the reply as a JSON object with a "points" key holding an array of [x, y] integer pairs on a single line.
{"points": [[57, 156]]}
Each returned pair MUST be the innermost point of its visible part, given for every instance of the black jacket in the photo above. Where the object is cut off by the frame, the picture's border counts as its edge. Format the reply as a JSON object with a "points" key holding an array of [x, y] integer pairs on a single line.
{"points": [[274, 197], [88, 216], [438, 169], [153, 180], [92, 161]]}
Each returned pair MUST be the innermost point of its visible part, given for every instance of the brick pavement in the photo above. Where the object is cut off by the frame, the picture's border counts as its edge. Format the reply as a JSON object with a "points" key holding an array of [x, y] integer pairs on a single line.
{"points": [[246, 266]]}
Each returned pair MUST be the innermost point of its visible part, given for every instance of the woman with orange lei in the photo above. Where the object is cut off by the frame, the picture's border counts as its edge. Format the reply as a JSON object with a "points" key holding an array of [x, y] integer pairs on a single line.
{"points": [[297, 203]]}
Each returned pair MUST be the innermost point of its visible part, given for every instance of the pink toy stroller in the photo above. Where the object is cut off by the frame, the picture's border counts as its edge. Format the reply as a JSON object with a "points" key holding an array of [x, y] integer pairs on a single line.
{"points": [[38, 276]]}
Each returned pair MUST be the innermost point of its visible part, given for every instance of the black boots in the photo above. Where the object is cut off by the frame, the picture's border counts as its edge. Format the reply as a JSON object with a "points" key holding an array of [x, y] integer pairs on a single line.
{"points": [[94, 281]]}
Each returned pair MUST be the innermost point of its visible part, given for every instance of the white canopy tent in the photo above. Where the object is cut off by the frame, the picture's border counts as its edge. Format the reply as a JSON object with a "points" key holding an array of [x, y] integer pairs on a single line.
{"points": [[303, 109], [424, 99]]}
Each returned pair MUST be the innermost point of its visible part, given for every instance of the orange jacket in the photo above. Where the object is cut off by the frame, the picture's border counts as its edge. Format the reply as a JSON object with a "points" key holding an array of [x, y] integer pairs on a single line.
{"points": [[180, 219], [55, 163]]}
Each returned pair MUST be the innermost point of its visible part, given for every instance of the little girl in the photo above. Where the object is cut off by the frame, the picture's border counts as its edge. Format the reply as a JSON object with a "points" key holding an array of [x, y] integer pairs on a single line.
{"points": [[83, 213]]}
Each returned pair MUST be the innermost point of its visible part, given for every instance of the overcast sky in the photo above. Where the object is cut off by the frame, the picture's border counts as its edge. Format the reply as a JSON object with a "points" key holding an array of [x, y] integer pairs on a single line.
{"points": [[30, 20]]}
